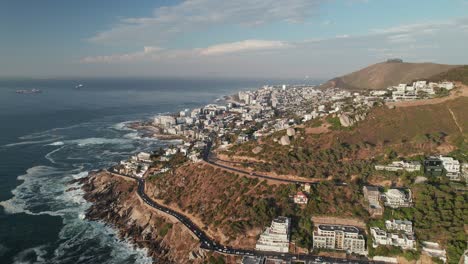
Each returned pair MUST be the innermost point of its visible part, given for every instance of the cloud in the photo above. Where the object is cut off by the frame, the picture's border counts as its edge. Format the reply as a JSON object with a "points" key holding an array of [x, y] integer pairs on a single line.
{"points": [[192, 15], [156, 53], [321, 57], [241, 46], [147, 52]]}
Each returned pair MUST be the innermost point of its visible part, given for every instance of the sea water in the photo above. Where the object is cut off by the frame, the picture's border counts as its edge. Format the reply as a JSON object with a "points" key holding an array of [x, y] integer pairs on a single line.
{"points": [[51, 138]]}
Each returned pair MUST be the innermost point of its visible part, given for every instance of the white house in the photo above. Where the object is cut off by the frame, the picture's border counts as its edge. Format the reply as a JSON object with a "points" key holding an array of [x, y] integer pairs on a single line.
{"points": [[396, 198], [452, 166]]}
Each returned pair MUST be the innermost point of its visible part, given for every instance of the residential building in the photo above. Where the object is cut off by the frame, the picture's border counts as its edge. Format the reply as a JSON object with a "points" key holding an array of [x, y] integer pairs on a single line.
{"points": [[339, 237], [434, 250], [381, 237], [276, 237], [300, 198], [433, 167], [399, 225], [451, 166], [372, 196], [164, 121], [410, 166], [396, 198]]}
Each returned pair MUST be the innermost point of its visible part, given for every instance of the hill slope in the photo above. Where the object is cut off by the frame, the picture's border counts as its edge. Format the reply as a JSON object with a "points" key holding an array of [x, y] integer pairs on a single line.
{"points": [[382, 75]]}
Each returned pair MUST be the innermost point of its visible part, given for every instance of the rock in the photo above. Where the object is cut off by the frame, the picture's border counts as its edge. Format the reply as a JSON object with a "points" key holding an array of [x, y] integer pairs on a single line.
{"points": [[290, 131], [257, 150], [285, 141], [346, 121], [192, 256]]}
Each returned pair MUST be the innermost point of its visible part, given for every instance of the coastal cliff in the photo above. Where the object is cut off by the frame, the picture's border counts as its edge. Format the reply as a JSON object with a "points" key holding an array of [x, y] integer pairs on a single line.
{"points": [[115, 202]]}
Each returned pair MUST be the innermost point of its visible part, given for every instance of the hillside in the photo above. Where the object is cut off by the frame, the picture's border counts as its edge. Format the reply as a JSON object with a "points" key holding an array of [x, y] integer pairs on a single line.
{"points": [[346, 152], [382, 75], [458, 74]]}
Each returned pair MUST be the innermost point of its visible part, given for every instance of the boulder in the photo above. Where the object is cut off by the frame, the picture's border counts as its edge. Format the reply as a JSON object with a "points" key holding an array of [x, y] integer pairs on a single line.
{"points": [[346, 121], [285, 141], [291, 132]]}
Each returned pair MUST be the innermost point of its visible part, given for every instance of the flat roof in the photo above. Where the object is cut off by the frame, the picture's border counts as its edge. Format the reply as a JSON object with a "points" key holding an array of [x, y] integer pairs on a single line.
{"points": [[349, 229]]}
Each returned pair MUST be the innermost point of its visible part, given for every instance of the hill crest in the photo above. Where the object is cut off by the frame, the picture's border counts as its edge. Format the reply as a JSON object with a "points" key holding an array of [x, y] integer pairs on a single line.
{"points": [[385, 74]]}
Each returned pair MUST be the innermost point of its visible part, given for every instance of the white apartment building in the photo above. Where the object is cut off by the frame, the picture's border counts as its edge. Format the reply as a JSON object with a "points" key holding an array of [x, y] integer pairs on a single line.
{"points": [[276, 237], [452, 166], [340, 238], [399, 225], [410, 166], [164, 121], [396, 198], [381, 237]]}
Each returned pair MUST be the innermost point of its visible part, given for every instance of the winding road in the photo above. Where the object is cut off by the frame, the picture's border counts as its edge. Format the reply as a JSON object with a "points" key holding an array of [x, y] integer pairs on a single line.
{"points": [[209, 244]]}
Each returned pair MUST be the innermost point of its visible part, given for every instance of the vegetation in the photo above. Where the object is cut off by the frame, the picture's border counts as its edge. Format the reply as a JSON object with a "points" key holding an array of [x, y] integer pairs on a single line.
{"points": [[458, 74], [439, 215]]}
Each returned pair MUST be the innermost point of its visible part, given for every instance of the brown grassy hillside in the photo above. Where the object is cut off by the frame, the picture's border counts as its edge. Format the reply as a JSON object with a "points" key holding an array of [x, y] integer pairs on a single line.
{"points": [[234, 209], [346, 152], [382, 75]]}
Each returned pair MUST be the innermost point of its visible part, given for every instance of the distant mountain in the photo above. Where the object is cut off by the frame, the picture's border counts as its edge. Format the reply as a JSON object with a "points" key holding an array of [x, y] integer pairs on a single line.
{"points": [[382, 75]]}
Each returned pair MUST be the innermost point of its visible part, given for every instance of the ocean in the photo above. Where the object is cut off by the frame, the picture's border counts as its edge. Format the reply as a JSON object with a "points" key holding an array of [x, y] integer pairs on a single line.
{"points": [[51, 138]]}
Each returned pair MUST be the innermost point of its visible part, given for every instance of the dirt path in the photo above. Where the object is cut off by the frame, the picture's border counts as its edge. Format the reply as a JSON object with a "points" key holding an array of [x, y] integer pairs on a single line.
{"points": [[462, 91], [455, 120]]}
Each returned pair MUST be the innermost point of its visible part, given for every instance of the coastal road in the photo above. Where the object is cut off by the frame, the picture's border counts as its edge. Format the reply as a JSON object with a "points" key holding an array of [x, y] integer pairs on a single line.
{"points": [[209, 244]]}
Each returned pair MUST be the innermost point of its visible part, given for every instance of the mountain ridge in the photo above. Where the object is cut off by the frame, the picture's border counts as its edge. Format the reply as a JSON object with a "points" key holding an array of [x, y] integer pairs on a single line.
{"points": [[384, 74]]}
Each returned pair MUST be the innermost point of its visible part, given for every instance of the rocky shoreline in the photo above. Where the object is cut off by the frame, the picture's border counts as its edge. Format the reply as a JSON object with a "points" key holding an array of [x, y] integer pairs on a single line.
{"points": [[115, 202]]}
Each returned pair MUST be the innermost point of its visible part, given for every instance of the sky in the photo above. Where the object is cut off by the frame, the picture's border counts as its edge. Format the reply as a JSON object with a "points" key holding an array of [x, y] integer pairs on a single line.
{"points": [[315, 39]]}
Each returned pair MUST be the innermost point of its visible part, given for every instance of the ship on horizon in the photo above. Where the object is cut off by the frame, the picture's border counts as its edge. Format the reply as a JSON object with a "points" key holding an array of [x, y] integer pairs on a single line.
{"points": [[32, 91]]}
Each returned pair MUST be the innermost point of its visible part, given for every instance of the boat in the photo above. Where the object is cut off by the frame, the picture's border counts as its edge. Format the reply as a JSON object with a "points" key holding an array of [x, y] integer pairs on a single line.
{"points": [[79, 86], [32, 91]]}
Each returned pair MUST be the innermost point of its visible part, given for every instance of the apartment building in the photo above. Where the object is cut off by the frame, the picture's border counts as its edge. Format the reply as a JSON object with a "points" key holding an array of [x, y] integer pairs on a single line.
{"points": [[276, 237], [340, 238]]}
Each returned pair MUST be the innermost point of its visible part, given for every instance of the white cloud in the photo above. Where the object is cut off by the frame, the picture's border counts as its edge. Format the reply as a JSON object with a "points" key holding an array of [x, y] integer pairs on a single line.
{"points": [[147, 52], [241, 46], [191, 15], [156, 53]]}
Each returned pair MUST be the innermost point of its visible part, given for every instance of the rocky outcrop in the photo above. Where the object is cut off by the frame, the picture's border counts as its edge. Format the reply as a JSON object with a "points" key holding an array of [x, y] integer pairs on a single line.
{"points": [[285, 140], [116, 203]]}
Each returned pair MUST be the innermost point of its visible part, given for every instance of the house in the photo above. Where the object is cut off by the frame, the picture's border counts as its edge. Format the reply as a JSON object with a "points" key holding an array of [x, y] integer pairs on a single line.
{"points": [[339, 237], [300, 198], [381, 237], [433, 167], [399, 225], [434, 250], [276, 237], [396, 198], [410, 166], [451, 166], [372, 196]]}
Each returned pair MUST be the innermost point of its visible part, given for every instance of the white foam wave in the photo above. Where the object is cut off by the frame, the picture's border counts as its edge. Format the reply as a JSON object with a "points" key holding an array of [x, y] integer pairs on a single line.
{"points": [[123, 126], [46, 190], [48, 156], [98, 141], [57, 143], [28, 142], [24, 257]]}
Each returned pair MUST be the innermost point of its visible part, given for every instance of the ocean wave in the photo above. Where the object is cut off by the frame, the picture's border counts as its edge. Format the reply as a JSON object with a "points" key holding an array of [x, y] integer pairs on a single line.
{"points": [[28, 142], [46, 190], [122, 126], [98, 141], [34, 255], [57, 143]]}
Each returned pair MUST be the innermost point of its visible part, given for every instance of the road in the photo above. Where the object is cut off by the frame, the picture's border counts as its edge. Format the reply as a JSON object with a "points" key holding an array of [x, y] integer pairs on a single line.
{"points": [[209, 159], [209, 244]]}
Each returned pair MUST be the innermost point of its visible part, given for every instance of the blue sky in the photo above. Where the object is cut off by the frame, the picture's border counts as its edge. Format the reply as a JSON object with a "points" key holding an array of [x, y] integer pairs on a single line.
{"points": [[212, 38]]}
